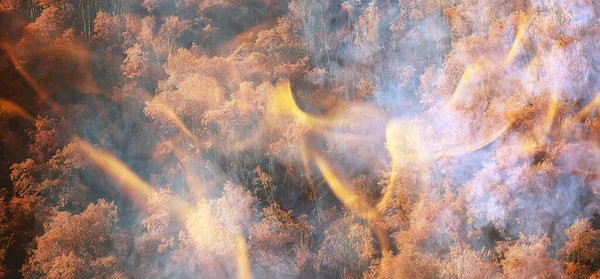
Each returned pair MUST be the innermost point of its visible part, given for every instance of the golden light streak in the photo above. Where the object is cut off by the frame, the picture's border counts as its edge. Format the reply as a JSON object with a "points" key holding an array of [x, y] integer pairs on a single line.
{"points": [[10, 108], [42, 93], [519, 40], [392, 132], [86, 82], [248, 35], [472, 69], [405, 148], [589, 110], [172, 116], [243, 262], [545, 127], [551, 112], [467, 77], [139, 191], [478, 145], [350, 199], [169, 113], [304, 154], [133, 186], [534, 65], [283, 103], [196, 184], [343, 193]]}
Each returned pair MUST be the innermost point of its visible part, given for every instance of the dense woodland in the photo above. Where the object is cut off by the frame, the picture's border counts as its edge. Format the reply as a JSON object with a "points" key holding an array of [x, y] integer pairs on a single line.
{"points": [[299, 139]]}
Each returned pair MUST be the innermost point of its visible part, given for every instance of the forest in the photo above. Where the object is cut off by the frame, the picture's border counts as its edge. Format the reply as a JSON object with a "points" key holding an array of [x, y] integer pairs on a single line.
{"points": [[299, 139]]}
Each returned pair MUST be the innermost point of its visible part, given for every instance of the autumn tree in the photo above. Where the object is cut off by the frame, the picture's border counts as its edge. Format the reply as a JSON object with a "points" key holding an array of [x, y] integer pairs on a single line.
{"points": [[59, 180], [365, 89], [208, 242], [280, 243], [12, 5], [172, 29], [137, 62], [464, 262], [157, 239], [347, 249], [88, 244], [367, 37], [529, 257], [50, 23], [109, 28], [581, 249]]}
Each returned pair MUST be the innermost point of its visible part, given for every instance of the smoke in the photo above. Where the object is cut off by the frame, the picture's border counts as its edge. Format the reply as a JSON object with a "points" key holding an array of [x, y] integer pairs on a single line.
{"points": [[221, 129]]}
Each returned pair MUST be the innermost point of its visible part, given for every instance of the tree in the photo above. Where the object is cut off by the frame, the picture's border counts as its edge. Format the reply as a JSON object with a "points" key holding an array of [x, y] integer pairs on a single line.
{"points": [[581, 249], [582, 246], [47, 135], [49, 24], [86, 244], [279, 243], [347, 249], [171, 30], [528, 257], [367, 36], [109, 28], [463, 262], [137, 62], [11, 5], [365, 89], [151, 5], [208, 242], [192, 97], [5, 236], [157, 241], [59, 179], [48, 3]]}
